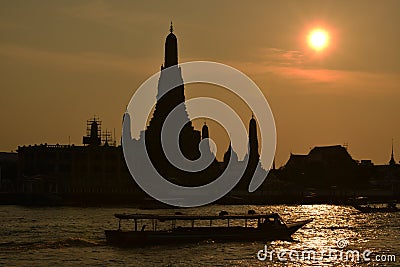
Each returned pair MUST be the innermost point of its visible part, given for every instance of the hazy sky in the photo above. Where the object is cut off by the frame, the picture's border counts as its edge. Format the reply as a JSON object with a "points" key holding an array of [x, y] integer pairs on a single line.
{"points": [[61, 62]]}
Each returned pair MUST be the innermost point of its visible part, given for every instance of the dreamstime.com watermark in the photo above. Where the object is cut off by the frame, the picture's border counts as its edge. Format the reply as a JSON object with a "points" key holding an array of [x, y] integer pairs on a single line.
{"points": [[338, 254]]}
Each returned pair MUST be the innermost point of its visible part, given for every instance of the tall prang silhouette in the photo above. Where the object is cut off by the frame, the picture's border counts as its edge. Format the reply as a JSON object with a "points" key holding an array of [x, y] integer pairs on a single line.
{"points": [[191, 143], [189, 138]]}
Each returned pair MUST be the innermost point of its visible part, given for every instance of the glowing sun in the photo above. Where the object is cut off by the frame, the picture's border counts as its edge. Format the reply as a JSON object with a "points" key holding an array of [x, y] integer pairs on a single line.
{"points": [[318, 39]]}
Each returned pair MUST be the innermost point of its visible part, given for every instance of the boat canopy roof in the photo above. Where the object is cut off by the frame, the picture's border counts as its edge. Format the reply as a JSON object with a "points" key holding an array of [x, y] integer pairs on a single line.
{"points": [[125, 216]]}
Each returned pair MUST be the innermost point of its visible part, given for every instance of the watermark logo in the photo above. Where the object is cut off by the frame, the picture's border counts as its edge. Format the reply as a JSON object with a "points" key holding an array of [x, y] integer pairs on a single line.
{"points": [[342, 243], [142, 104], [330, 254]]}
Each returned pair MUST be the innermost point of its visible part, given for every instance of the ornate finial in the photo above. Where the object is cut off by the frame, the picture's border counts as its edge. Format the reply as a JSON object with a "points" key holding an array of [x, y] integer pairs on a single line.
{"points": [[171, 28]]}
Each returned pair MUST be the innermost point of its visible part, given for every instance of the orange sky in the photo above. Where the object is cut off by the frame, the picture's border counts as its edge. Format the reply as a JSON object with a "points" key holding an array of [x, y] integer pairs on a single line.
{"points": [[63, 61]]}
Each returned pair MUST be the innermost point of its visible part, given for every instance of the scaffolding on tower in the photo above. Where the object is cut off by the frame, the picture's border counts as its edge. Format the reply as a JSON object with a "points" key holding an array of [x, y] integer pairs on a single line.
{"points": [[93, 131]]}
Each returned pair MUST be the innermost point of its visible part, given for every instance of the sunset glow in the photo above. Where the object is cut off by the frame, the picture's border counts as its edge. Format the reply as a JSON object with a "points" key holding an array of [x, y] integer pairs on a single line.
{"points": [[318, 39], [93, 50]]}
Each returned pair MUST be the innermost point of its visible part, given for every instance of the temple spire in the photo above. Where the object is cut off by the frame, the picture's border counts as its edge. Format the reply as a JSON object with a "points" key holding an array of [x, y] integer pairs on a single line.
{"points": [[392, 161], [253, 139], [171, 49], [204, 131]]}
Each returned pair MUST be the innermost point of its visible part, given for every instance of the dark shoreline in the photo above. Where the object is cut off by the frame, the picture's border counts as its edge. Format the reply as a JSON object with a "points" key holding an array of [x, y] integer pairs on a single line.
{"points": [[104, 200]]}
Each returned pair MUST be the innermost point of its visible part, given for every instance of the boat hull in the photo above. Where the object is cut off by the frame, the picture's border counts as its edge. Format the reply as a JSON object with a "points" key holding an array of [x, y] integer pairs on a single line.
{"points": [[197, 234]]}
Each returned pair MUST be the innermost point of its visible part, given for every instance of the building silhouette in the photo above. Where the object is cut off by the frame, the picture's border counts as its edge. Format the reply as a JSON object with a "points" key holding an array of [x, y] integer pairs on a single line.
{"points": [[8, 171], [97, 168], [323, 166]]}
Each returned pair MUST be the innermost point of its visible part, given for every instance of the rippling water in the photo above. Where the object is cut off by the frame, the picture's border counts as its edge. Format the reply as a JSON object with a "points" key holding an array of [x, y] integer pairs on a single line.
{"points": [[70, 236]]}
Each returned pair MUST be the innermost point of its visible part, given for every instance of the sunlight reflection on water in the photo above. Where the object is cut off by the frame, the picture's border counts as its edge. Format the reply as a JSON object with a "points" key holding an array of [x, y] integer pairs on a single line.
{"points": [[70, 236]]}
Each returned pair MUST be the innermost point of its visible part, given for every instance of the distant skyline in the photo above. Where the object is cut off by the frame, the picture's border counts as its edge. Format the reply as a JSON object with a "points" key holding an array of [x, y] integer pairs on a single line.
{"points": [[62, 62]]}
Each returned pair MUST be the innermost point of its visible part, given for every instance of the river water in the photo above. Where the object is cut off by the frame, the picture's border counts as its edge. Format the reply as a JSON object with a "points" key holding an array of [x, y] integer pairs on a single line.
{"points": [[73, 236]]}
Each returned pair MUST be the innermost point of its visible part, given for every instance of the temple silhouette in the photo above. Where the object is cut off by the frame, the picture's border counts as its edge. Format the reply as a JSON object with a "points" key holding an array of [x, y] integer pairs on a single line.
{"points": [[189, 138], [96, 172]]}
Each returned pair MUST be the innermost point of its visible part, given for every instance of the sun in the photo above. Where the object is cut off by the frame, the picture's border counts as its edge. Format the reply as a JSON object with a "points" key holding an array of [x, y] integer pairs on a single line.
{"points": [[318, 39]]}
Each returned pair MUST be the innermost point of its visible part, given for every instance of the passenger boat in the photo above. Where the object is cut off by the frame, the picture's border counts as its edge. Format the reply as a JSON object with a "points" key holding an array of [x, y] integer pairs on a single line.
{"points": [[193, 228], [391, 207]]}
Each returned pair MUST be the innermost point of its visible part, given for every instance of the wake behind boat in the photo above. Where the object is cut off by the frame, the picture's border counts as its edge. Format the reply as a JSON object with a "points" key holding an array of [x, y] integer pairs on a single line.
{"points": [[223, 227]]}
